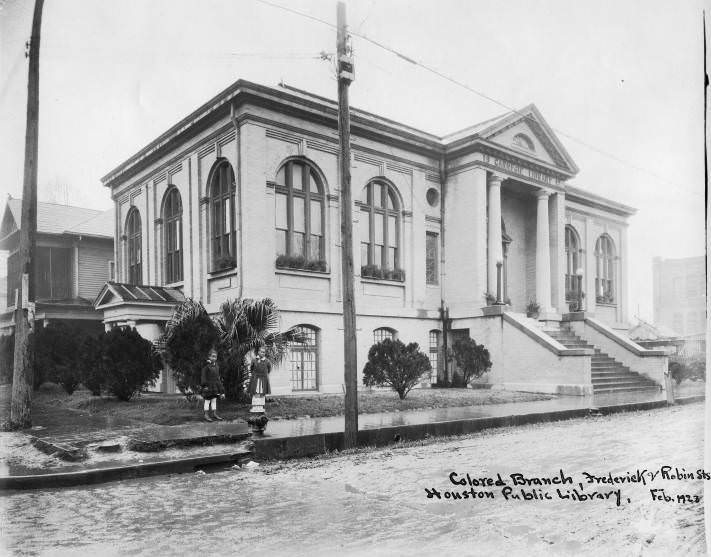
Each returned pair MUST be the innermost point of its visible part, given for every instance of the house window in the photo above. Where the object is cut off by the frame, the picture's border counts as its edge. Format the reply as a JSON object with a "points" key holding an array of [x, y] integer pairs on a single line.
{"points": [[53, 273], [112, 271], [382, 333], [133, 239], [222, 212], [431, 263], [379, 239], [173, 236], [605, 270], [299, 215], [303, 360], [572, 257], [434, 354]]}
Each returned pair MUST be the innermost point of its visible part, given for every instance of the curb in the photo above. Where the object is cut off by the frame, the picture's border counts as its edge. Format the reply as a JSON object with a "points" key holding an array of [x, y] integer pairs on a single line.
{"points": [[102, 475], [310, 445]]}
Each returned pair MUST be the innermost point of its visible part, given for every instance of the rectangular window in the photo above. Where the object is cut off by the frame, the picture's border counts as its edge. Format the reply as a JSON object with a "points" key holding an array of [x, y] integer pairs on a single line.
{"points": [[431, 259]]}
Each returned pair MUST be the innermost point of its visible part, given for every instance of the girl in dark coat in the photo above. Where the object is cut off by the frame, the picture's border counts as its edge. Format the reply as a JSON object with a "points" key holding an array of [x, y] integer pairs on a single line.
{"points": [[212, 387], [259, 380]]}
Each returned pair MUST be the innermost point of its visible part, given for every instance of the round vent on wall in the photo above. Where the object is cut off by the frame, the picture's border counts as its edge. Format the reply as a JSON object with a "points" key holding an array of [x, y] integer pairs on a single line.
{"points": [[433, 197]]}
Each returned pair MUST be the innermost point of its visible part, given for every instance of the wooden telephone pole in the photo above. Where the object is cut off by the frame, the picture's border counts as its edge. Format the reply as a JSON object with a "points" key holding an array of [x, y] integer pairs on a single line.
{"points": [[344, 65], [20, 415]]}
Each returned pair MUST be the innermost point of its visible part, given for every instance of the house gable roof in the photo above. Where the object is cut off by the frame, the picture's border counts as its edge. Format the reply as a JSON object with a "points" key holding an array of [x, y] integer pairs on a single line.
{"points": [[53, 218]]}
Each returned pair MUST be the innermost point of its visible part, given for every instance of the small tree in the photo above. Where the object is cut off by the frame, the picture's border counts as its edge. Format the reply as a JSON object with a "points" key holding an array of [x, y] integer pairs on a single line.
{"points": [[391, 362], [472, 360], [243, 326], [188, 338], [90, 364], [130, 362]]}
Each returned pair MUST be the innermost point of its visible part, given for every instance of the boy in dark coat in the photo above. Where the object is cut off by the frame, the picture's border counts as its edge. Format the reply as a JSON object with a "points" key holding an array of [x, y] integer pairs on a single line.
{"points": [[212, 387]]}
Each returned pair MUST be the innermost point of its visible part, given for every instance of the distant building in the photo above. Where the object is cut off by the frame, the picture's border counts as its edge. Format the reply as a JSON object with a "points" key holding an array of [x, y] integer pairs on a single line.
{"points": [[680, 294], [73, 260]]}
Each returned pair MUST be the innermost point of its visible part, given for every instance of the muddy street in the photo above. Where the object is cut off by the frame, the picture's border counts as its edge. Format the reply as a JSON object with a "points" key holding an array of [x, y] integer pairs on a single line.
{"points": [[620, 499]]}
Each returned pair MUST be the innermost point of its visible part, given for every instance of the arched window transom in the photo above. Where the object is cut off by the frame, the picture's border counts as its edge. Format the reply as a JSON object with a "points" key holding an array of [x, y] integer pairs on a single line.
{"points": [[222, 213], [382, 333], [133, 239], [303, 360], [523, 141], [299, 214], [605, 270], [173, 235], [380, 227]]}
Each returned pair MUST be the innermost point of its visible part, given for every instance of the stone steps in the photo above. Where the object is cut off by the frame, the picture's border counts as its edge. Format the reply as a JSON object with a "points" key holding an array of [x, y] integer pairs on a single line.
{"points": [[608, 375]]}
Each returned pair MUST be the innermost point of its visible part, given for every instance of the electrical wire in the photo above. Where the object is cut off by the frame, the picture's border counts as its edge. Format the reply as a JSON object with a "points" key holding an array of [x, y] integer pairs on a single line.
{"points": [[463, 85]]}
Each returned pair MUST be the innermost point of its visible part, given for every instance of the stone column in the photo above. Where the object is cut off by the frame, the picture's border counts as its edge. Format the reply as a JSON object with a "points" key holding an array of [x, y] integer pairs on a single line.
{"points": [[494, 233], [543, 255]]}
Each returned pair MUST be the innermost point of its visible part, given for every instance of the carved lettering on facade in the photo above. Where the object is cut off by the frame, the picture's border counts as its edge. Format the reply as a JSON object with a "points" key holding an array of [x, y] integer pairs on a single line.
{"points": [[514, 168]]}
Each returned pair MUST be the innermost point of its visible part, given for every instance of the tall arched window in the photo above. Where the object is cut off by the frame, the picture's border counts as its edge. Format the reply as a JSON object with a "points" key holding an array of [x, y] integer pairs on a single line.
{"points": [[605, 270], [382, 333], [299, 215], [380, 229], [572, 258], [303, 360], [173, 235], [133, 239], [222, 213]]}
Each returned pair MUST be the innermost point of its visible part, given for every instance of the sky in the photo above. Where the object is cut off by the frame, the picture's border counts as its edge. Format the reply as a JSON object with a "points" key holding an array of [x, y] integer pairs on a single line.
{"points": [[621, 83]]}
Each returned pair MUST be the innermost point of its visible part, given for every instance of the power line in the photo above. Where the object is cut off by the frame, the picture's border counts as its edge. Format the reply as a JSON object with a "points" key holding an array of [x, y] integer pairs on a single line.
{"points": [[463, 85]]}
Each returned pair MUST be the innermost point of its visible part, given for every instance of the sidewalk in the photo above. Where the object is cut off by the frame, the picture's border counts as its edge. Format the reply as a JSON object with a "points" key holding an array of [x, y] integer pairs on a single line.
{"points": [[190, 447]]}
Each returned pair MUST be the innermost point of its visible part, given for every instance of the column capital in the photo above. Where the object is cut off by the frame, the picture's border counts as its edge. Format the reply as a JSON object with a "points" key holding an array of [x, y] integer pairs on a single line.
{"points": [[495, 180], [543, 193]]}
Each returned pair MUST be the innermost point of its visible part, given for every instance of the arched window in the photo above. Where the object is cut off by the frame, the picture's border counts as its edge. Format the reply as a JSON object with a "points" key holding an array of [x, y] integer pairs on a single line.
{"points": [[133, 240], [303, 360], [382, 333], [523, 141], [605, 270], [434, 353], [299, 215], [380, 227], [573, 262], [173, 235], [222, 214]]}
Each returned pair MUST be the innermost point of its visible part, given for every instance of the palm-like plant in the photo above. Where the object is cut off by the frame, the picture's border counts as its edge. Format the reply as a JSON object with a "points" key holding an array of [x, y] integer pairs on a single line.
{"points": [[244, 326]]}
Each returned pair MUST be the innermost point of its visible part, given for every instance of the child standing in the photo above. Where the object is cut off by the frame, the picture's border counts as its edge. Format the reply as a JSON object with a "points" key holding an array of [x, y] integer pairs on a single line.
{"points": [[261, 367], [212, 387]]}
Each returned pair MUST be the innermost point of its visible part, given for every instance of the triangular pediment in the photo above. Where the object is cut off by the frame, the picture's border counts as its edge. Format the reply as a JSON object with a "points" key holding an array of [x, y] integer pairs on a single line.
{"points": [[527, 133], [107, 296]]}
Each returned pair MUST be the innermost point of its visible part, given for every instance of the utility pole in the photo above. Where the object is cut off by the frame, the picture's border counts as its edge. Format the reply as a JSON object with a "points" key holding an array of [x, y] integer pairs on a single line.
{"points": [[20, 415], [344, 65]]}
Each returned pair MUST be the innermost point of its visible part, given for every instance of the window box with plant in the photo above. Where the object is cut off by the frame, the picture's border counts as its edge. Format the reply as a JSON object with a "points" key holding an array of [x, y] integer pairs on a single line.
{"points": [[224, 263], [299, 262], [375, 272]]}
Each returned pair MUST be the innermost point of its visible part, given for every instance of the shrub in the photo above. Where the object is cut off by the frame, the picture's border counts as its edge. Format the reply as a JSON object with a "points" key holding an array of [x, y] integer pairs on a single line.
{"points": [[692, 367], [188, 338], [490, 298], [532, 308], [7, 358], [393, 363], [472, 360], [56, 349], [90, 364], [131, 362]]}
